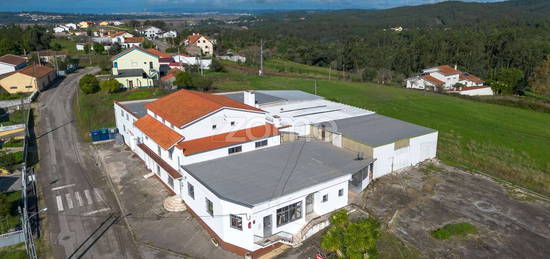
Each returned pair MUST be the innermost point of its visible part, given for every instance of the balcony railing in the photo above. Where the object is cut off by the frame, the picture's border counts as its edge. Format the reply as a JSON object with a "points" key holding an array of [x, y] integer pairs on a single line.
{"points": [[283, 237]]}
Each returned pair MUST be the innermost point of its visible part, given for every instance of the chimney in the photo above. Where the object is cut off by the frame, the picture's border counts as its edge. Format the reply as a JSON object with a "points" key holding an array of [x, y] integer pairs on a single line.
{"points": [[250, 98]]}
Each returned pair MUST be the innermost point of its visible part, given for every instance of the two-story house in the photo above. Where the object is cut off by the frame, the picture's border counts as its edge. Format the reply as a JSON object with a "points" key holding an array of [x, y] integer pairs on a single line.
{"points": [[205, 44], [150, 32], [448, 79], [136, 67]]}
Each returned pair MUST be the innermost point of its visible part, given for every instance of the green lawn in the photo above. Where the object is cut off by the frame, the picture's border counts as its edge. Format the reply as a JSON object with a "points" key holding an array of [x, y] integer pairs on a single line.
{"points": [[507, 142], [450, 230], [9, 216], [13, 118], [95, 111], [13, 252], [67, 45]]}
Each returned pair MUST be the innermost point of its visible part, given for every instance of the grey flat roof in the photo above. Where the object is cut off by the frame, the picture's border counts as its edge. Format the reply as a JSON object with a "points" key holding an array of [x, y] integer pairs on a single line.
{"points": [[254, 177], [129, 73], [260, 98], [137, 107], [375, 129], [291, 95]]}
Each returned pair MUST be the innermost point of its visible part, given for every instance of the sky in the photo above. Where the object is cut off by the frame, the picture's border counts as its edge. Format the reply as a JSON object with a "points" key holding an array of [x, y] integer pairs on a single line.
{"points": [[113, 6]]}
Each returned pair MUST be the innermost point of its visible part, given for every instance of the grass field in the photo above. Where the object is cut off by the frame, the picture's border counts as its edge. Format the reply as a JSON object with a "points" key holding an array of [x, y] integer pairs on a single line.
{"points": [[67, 45], [13, 252], [10, 217], [506, 142], [451, 230], [96, 110]]}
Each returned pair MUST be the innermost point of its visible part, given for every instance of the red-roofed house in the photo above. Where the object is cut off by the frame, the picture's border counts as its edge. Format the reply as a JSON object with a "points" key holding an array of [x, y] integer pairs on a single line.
{"points": [[204, 43], [448, 78], [10, 63], [27, 80]]}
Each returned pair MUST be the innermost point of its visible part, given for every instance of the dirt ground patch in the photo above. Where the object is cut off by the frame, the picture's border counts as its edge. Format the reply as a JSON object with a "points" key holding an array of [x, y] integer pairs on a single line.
{"points": [[424, 198]]}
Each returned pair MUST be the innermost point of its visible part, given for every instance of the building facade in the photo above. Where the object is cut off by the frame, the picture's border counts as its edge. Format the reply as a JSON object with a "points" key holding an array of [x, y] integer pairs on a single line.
{"points": [[27, 80], [448, 79]]}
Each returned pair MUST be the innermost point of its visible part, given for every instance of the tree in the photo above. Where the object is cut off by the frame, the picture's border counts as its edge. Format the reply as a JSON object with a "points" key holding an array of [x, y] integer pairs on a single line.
{"points": [[115, 49], [5, 209], [216, 66], [540, 80], [184, 80], [89, 84], [510, 78], [351, 240], [98, 48], [134, 23], [87, 48], [147, 44], [202, 83], [110, 85]]}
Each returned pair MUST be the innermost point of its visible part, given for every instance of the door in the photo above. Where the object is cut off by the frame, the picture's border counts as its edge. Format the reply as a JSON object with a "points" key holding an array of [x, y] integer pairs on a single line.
{"points": [[267, 226], [309, 204], [130, 84]]}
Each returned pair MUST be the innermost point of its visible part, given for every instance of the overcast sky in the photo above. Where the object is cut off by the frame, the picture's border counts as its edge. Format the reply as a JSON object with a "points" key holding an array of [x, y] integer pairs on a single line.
{"points": [[109, 6]]}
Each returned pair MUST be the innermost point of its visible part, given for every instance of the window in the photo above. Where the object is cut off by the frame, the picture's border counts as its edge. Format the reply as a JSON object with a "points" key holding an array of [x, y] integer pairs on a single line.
{"points": [[232, 123], [236, 222], [158, 150], [191, 190], [115, 64], [235, 149], [28, 86], [214, 126], [289, 213], [170, 152], [13, 87], [340, 192], [150, 65], [158, 169], [325, 198], [127, 117], [209, 207], [171, 181], [121, 113], [262, 143]]}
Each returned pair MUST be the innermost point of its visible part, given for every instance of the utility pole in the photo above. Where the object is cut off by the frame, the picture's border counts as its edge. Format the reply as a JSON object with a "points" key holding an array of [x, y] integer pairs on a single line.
{"points": [[315, 86], [261, 72], [329, 70]]}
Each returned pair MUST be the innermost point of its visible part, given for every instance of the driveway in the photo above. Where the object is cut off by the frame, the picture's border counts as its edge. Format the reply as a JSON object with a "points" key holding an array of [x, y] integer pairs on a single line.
{"points": [[160, 234], [82, 217], [511, 223]]}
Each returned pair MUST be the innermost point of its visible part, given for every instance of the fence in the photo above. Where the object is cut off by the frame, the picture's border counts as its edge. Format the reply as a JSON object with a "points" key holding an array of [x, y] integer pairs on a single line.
{"points": [[17, 102], [12, 238]]}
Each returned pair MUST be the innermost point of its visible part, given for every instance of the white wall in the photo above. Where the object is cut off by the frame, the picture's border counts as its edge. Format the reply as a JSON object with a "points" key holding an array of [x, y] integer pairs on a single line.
{"points": [[419, 149], [6, 68], [125, 125], [479, 91]]}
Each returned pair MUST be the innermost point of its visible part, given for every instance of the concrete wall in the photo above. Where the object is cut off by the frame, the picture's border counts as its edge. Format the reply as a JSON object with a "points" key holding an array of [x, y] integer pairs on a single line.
{"points": [[135, 82], [480, 91]]}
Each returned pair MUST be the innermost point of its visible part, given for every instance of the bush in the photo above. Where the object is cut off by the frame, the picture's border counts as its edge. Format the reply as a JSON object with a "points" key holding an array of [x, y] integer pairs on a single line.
{"points": [[216, 66], [89, 84], [8, 160], [110, 86], [449, 230], [202, 83], [184, 80]]}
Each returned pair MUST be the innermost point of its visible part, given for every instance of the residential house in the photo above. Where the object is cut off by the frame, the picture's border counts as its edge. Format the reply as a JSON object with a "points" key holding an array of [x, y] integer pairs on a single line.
{"points": [[71, 26], [136, 68], [168, 34], [168, 80], [80, 33], [150, 32], [180, 60], [204, 43], [261, 169], [27, 80], [85, 24], [448, 79], [104, 23], [60, 29], [117, 23], [10, 63], [132, 42]]}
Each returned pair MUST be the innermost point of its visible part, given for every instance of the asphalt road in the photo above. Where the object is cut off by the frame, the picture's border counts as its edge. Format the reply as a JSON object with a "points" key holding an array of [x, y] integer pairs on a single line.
{"points": [[83, 216]]}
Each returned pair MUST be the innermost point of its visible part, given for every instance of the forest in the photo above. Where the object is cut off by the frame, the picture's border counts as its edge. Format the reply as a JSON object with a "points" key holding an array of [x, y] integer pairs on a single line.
{"points": [[18, 40], [504, 38]]}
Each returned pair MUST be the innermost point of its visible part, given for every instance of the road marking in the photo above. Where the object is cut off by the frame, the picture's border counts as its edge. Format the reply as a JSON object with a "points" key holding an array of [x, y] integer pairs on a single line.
{"points": [[59, 203], [79, 199], [69, 200], [98, 195], [63, 187], [88, 197], [95, 211]]}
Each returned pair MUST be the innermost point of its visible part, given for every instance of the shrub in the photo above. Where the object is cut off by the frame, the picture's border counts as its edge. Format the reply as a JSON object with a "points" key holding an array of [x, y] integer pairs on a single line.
{"points": [[110, 86], [217, 66], [202, 83], [184, 80], [89, 84], [449, 230]]}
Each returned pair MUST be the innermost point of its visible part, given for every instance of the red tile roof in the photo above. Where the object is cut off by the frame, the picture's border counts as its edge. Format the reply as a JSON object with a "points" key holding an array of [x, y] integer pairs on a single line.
{"points": [[160, 133], [184, 106], [36, 71], [432, 80], [170, 74], [227, 139], [191, 39], [171, 171], [130, 49], [159, 53], [12, 59], [447, 70], [134, 40], [469, 77]]}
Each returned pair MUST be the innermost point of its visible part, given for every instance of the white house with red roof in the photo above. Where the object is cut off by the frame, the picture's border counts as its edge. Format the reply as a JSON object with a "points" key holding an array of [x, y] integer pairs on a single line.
{"points": [[449, 79], [204, 43], [10, 63], [254, 178]]}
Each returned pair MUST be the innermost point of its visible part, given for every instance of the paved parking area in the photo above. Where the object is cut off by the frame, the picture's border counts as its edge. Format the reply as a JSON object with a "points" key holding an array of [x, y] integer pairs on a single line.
{"points": [[511, 224], [161, 234]]}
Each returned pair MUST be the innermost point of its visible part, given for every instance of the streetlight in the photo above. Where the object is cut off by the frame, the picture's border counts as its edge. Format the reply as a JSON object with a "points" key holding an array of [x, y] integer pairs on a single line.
{"points": [[36, 213]]}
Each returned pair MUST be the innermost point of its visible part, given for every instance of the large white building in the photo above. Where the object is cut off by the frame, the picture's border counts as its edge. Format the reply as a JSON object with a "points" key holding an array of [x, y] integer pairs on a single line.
{"points": [[448, 78], [261, 169]]}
